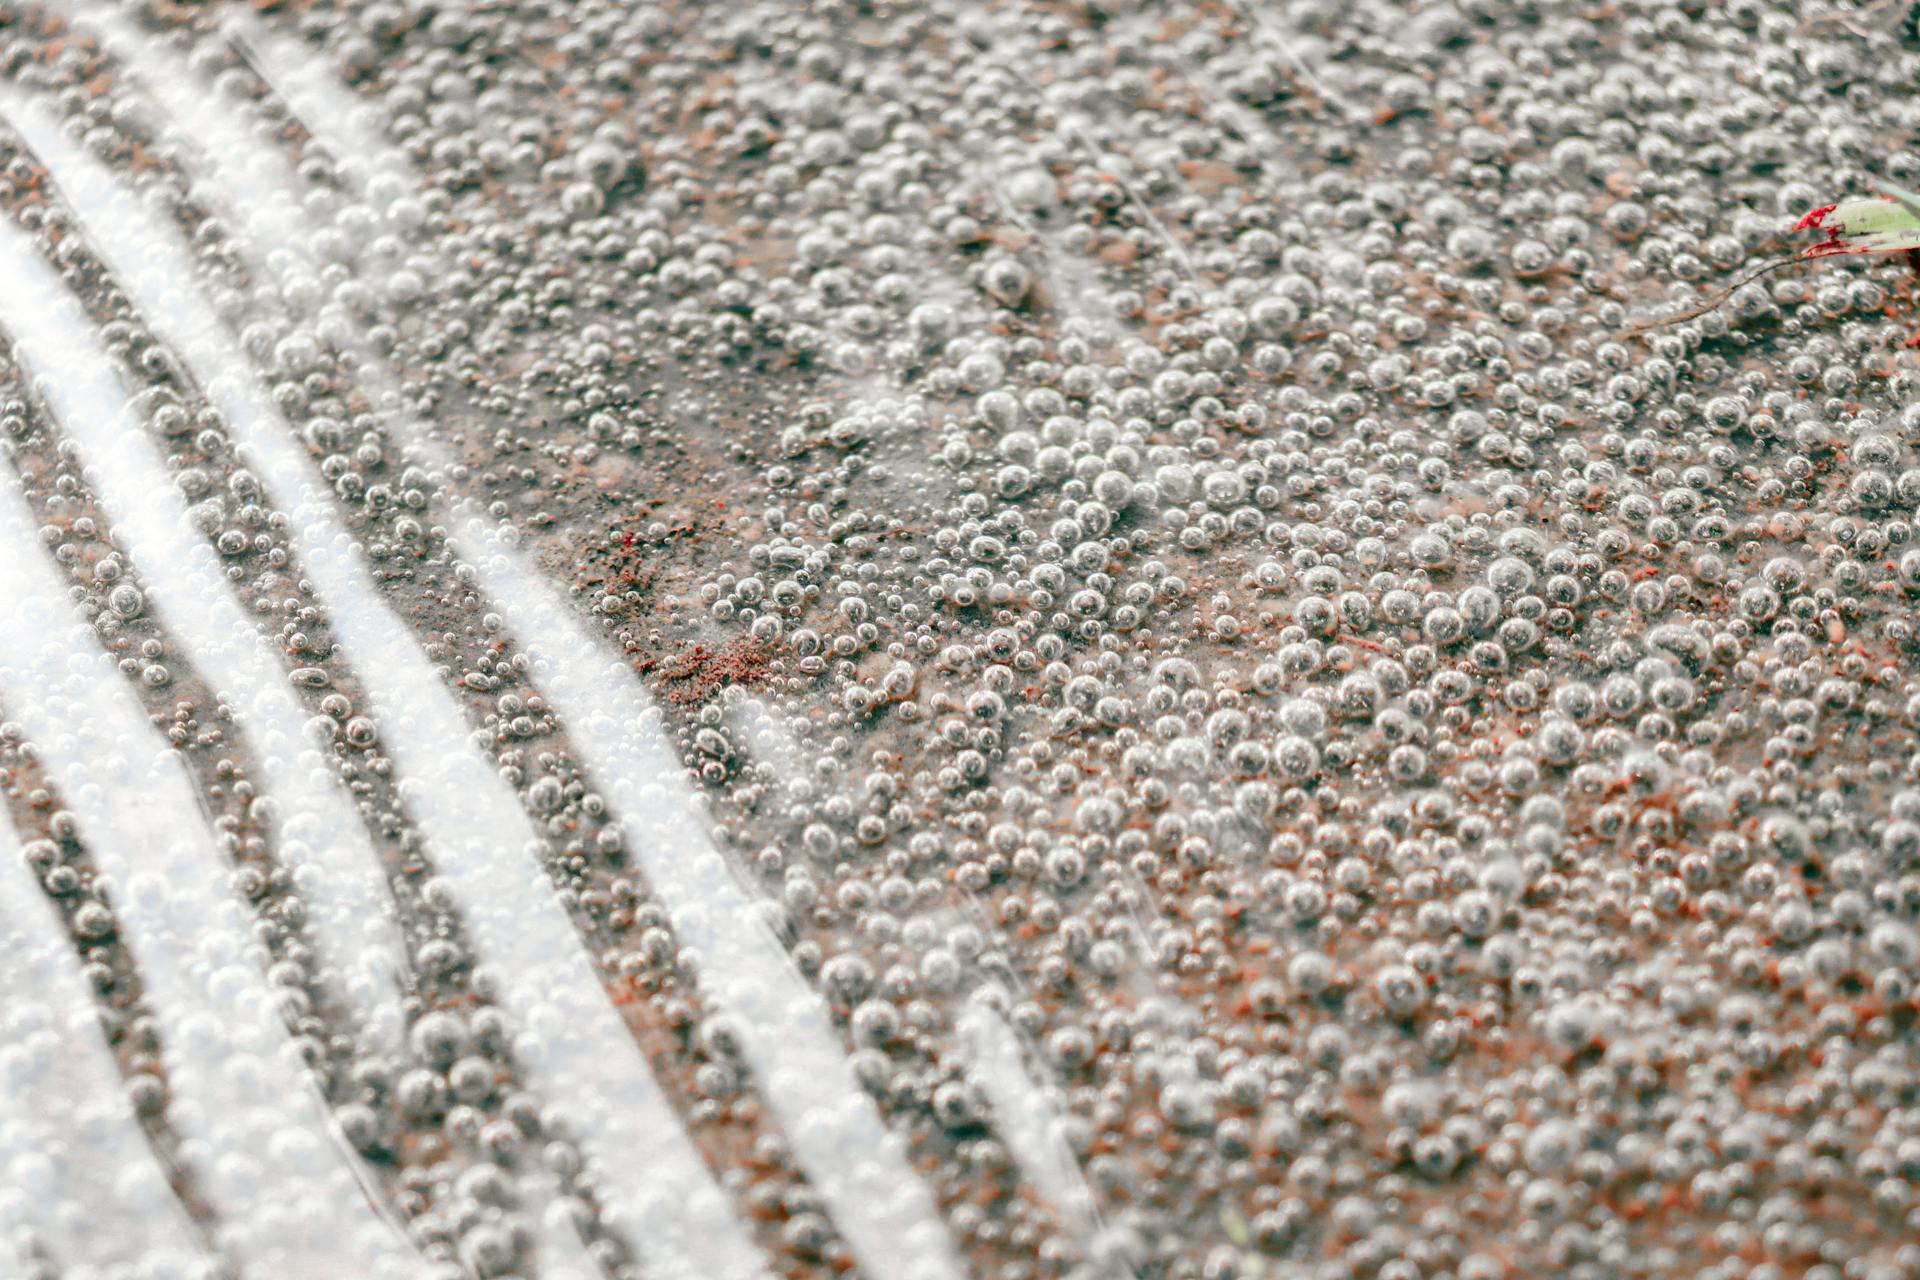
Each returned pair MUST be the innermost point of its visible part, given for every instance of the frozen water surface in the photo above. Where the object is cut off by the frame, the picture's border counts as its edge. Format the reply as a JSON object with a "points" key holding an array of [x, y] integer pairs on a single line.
{"points": [[1002, 640]]}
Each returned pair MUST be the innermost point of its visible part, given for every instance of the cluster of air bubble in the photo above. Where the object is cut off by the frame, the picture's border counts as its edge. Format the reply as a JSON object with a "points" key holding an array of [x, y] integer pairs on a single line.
{"points": [[1206, 527], [1282, 731]]}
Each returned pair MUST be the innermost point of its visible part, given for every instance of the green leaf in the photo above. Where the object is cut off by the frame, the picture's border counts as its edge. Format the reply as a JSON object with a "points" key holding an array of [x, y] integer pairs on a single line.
{"points": [[1865, 224]]}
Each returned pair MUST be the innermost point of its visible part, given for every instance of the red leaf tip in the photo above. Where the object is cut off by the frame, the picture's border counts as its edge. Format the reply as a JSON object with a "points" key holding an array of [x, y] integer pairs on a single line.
{"points": [[1814, 219]]}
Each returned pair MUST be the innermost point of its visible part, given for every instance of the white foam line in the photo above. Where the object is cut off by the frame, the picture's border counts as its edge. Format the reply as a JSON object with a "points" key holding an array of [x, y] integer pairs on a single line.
{"points": [[313, 93], [573, 1044], [288, 1196], [768, 739], [69, 1142], [271, 213], [865, 1180], [558, 1251], [1023, 1114], [314, 828]]}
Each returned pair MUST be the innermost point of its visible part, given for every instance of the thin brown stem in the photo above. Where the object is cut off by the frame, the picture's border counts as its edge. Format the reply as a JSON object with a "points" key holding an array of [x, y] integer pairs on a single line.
{"points": [[1714, 303]]}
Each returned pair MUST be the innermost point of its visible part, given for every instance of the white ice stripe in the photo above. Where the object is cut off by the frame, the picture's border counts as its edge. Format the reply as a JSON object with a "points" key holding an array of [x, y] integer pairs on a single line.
{"points": [[272, 213], [306, 812], [1023, 1115], [213, 124], [69, 1142], [313, 93], [559, 1253], [767, 739], [867, 1184], [573, 1044], [286, 1192], [865, 1180]]}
